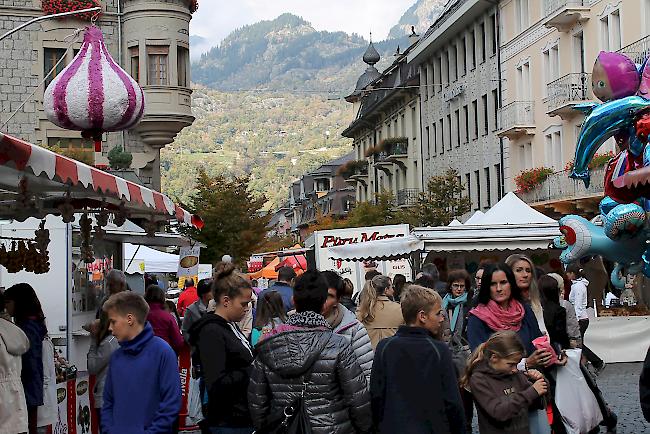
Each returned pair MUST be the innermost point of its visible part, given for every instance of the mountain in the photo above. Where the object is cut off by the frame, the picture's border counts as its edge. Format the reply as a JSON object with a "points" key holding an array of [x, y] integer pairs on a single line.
{"points": [[287, 53], [421, 15]]}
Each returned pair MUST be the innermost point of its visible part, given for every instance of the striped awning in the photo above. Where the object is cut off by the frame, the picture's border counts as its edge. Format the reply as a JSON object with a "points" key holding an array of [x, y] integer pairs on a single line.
{"points": [[28, 170]]}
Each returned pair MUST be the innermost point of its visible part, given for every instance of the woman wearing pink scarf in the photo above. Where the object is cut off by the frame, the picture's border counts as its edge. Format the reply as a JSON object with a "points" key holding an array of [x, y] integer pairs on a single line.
{"points": [[500, 307]]}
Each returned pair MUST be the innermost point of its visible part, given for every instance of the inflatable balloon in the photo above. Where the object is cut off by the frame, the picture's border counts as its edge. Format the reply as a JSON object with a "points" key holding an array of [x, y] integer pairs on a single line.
{"points": [[93, 94], [614, 76]]}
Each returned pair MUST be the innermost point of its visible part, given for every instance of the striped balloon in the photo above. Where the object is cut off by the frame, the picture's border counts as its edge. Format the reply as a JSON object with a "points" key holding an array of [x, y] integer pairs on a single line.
{"points": [[93, 94]]}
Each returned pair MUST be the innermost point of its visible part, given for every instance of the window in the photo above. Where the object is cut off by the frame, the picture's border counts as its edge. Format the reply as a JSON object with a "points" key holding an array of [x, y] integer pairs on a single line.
{"points": [[610, 31], [435, 139], [579, 52], [430, 88], [453, 64], [495, 111], [462, 56], [457, 125], [425, 76], [134, 55], [428, 144], [497, 172], [521, 15], [50, 58], [523, 81], [445, 69], [604, 33], [525, 156], [471, 46], [157, 73], [468, 183], [466, 117], [442, 134], [486, 117], [183, 62], [554, 157], [475, 111], [482, 42], [494, 32], [488, 190], [477, 177], [449, 132], [552, 64], [438, 73]]}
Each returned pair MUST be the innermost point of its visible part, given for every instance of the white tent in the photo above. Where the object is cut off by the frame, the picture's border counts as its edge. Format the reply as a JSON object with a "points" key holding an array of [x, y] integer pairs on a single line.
{"points": [[378, 250], [509, 225], [475, 218], [455, 222], [141, 259]]}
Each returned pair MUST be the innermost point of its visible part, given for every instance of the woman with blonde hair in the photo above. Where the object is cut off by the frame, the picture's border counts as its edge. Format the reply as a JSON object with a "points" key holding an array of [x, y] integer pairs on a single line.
{"points": [[524, 271], [380, 316]]}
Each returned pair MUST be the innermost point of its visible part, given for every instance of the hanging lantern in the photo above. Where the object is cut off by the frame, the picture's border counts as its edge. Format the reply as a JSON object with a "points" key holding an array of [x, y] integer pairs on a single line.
{"points": [[93, 94]]}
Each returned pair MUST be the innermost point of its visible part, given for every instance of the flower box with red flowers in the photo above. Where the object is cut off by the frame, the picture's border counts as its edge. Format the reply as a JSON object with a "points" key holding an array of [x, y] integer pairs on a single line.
{"points": [[51, 7], [529, 179]]}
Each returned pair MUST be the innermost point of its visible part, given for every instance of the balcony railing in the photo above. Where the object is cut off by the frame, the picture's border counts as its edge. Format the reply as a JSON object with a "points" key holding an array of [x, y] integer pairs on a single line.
{"points": [[637, 51], [407, 196], [394, 150], [552, 6], [559, 186], [517, 117], [567, 90]]}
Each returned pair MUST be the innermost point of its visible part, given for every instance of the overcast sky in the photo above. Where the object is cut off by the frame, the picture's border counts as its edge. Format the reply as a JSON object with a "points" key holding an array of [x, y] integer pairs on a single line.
{"points": [[215, 19]]}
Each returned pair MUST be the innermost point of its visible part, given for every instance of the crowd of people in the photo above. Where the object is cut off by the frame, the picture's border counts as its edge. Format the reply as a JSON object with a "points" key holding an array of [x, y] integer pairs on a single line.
{"points": [[305, 355]]}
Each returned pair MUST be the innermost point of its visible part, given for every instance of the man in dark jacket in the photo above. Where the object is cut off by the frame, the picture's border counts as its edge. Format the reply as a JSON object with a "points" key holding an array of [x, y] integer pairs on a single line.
{"points": [[412, 365], [286, 279], [644, 387], [142, 393], [305, 353]]}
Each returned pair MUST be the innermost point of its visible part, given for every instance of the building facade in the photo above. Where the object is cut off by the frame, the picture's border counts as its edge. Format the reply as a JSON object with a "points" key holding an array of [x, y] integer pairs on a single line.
{"points": [[458, 63], [548, 49], [386, 131], [150, 40]]}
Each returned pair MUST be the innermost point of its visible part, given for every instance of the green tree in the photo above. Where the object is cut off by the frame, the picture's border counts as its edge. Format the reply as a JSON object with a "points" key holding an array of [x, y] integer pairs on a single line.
{"points": [[119, 159], [442, 201], [381, 212], [234, 223]]}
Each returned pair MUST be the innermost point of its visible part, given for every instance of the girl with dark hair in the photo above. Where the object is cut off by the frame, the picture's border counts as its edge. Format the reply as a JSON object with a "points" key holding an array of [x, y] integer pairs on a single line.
{"points": [[102, 345], [23, 305], [398, 285], [491, 371], [270, 314], [223, 355], [380, 316], [501, 307], [554, 313], [163, 323]]}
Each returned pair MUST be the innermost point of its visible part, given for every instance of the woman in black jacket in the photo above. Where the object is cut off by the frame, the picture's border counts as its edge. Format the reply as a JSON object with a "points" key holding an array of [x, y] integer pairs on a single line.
{"points": [[224, 354], [305, 356], [554, 313]]}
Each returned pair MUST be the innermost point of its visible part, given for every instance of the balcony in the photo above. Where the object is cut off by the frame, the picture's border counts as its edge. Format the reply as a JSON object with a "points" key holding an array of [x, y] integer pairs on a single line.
{"points": [[394, 153], [637, 51], [564, 14], [407, 197], [360, 174], [565, 92], [560, 195], [517, 119], [168, 110]]}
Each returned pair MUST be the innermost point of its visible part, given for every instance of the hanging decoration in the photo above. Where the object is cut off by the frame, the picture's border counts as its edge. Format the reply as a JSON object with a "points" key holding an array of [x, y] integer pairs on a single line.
{"points": [[26, 254], [93, 94], [51, 7], [85, 228], [622, 231]]}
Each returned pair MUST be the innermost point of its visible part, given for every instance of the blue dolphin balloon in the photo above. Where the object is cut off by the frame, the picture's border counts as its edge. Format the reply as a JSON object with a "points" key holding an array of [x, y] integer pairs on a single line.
{"points": [[602, 122]]}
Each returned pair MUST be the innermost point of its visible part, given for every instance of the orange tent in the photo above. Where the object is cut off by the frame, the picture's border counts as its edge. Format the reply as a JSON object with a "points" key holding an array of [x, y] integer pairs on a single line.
{"points": [[268, 271]]}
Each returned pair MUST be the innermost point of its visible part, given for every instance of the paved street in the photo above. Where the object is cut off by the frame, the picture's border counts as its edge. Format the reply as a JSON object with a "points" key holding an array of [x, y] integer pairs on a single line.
{"points": [[620, 385]]}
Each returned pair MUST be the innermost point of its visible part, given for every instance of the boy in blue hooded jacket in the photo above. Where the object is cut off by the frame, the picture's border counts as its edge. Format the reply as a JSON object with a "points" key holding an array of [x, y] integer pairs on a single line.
{"points": [[142, 393]]}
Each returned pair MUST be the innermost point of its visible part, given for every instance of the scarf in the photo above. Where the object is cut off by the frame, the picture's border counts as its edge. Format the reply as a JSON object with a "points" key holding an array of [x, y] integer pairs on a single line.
{"points": [[498, 318], [457, 303], [308, 319]]}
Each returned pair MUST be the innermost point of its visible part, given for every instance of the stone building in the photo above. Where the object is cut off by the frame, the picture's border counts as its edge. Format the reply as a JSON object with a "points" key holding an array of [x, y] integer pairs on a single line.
{"points": [[548, 50], [385, 130], [459, 98], [150, 40]]}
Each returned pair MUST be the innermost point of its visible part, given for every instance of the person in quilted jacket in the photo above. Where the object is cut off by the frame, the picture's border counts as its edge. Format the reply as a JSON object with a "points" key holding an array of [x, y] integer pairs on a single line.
{"points": [[345, 323], [305, 349]]}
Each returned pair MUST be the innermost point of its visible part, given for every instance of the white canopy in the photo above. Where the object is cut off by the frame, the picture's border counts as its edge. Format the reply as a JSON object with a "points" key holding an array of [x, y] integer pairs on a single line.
{"points": [[145, 259], [475, 218], [455, 222], [379, 250], [509, 225]]}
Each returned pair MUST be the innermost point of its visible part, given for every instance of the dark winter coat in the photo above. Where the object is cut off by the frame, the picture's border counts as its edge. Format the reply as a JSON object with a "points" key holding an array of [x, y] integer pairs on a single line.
{"points": [[479, 332], [644, 387], [142, 393], [165, 326], [225, 365], [408, 367], [336, 395], [502, 400], [32, 370]]}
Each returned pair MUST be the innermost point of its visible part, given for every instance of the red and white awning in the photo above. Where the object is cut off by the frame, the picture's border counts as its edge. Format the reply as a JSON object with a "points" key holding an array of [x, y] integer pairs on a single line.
{"points": [[82, 182]]}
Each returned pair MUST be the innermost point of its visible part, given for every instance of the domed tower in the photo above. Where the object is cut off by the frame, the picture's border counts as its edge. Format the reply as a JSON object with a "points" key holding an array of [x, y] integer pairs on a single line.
{"points": [[370, 58]]}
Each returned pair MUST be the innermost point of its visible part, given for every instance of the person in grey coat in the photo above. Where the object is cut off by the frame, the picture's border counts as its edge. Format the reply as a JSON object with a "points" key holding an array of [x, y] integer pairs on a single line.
{"points": [[306, 350], [196, 310], [102, 345], [345, 323]]}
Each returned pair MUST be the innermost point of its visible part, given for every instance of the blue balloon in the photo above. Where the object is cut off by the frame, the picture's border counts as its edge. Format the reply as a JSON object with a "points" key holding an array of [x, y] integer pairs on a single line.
{"points": [[602, 122]]}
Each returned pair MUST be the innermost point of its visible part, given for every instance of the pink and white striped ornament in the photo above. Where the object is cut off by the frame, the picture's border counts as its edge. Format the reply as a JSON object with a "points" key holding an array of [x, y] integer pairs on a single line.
{"points": [[93, 94]]}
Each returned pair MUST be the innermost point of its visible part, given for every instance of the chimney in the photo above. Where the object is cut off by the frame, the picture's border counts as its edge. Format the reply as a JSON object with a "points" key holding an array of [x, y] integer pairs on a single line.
{"points": [[413, 37]]}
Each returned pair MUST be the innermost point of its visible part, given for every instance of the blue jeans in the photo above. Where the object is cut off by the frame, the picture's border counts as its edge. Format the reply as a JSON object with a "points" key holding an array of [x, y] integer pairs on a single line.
{"points": [[226, 430]]}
